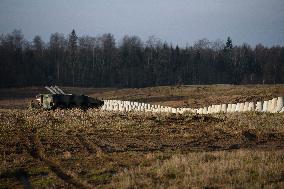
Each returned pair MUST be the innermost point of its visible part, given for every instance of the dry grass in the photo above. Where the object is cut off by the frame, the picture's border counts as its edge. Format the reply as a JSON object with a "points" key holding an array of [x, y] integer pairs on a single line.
{"points": [[94, 148], [76, 148], [226, 169], [193, 96]]}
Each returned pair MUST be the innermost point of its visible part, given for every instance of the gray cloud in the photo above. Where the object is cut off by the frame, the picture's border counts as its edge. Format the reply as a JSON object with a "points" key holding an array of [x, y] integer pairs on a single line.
{"points": [[176, 21]]}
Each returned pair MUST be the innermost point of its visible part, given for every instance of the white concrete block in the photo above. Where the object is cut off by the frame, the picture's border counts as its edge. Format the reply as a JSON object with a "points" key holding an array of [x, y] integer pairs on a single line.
{"points": [[218, 108], [209, 109], [265, 106], [224, 108], [229, 108], [269, 106], [251, 106], [258, 106], [214, 109], [242, 105], [204, 110], [237, 107], [246, 106], [233, 109], [198, 111], [158, 110], [280, 104], [273, 105]]}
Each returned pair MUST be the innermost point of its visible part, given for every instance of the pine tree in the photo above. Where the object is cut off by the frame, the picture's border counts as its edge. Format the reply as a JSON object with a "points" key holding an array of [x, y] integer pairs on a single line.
{"points": [[229, 44], [73, 40], [230, 67]]}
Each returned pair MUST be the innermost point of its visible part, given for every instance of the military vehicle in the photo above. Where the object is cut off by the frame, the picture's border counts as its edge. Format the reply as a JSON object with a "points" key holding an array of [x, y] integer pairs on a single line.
{"points": [[59, 99]]}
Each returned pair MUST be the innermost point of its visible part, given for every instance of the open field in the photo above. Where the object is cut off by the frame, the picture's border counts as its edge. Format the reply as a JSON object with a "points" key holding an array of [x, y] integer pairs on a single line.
{"points": [[193, 96], [86, 149]]}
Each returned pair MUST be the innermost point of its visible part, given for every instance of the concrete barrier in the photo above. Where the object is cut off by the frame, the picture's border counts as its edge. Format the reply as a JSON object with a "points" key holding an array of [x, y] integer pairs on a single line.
{"points": [[269, 106], [275, 105], [234, 106], [280, 104], [224, 108], [237, 107], [246, 106], [241, 107], [209, 109], [265, 106], [199, 111], [251, 106], [205, 110], [229, 108], [258, 106], [218, 108]]}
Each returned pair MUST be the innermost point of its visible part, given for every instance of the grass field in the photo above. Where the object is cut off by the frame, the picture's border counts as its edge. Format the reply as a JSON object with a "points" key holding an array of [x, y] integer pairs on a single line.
{"points": [[193, 96], [87, 149]]}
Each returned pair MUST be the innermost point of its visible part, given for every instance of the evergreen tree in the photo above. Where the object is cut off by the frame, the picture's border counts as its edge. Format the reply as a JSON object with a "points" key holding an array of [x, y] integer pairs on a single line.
{"points": [[100, 62], [73, 40], [229, 44]]}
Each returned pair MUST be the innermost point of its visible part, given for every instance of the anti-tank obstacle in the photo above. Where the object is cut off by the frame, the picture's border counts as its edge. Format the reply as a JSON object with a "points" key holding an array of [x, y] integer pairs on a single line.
{"points": [[275, 105]]}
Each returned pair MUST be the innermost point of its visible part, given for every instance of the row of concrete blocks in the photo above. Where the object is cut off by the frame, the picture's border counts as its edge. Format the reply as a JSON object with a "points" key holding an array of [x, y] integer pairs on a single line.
{"points": [[126, 106], [274, 105]]}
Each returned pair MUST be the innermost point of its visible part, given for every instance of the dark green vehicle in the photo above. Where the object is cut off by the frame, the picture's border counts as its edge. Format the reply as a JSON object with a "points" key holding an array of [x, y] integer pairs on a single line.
{"points": [[58, 99]]}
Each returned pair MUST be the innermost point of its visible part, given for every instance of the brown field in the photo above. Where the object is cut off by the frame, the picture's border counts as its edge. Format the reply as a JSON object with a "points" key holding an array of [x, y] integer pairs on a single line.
{"points": [[176, 96], [87, 149]]}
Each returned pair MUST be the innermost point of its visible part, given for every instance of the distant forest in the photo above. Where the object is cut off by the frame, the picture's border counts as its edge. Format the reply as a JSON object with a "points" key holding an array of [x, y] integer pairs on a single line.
{"points": [[103, 62]]}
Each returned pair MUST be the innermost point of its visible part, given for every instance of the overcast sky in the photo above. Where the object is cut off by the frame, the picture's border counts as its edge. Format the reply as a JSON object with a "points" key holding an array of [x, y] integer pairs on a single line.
{"points": [[175, 21]]}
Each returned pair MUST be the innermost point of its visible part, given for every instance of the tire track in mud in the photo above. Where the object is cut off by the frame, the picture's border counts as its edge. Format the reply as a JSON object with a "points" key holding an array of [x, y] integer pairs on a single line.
{"points": [[92, 148], [37, 152]]}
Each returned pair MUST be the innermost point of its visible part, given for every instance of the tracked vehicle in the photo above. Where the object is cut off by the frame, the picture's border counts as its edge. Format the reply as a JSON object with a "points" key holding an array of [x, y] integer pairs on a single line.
{"points": [[59, 99]]}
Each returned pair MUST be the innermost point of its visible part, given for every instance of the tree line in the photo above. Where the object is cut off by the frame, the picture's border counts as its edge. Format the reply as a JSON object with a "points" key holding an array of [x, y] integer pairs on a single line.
{"points": [[103, 62]]}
